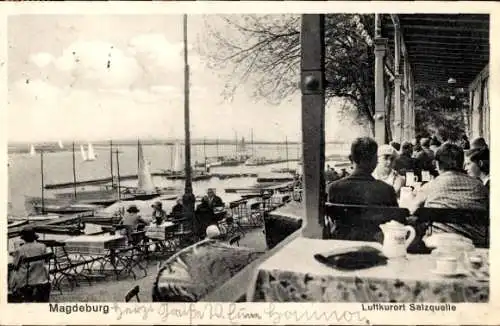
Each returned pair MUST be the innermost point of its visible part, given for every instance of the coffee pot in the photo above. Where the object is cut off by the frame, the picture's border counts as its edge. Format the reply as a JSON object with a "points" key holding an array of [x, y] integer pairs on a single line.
{"points": [[397, 238]]}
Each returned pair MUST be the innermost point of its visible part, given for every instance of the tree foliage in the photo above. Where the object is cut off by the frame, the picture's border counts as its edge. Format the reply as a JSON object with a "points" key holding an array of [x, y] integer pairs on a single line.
{"points": [[264, 50], [436, 111]]}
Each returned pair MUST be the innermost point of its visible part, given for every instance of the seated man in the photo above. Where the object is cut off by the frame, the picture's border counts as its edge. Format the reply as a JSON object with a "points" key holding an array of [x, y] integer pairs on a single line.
{"points": [[212, 200], [205, 210], [405, 162], [361, 188], [177, 212], [424, 160], [453, 188]]}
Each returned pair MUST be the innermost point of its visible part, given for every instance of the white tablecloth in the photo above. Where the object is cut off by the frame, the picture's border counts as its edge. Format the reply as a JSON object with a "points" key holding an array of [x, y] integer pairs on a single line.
{"points": [[94, 243], [409, 279], [158, 232]]}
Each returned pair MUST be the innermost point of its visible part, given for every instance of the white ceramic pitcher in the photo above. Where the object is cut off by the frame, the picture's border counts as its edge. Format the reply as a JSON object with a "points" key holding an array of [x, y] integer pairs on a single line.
{"points": [[397, 238]]}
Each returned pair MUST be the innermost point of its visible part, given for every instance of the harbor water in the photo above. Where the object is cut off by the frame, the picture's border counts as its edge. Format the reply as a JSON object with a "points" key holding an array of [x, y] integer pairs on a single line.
{"points": [[25, 171]]}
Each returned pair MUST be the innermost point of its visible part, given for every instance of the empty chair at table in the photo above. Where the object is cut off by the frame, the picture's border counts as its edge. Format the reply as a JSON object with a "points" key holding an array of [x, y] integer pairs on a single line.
{"points": [[30, 278], [473, 224], [359, 222]]}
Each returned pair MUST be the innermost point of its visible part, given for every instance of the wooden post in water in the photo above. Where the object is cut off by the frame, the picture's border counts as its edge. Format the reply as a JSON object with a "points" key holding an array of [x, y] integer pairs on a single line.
{"points": [[236, 143], [138, 156], [251, 139], [111, 163], [205, 151], [286, 153], [74, 170], [118, 174], [313, 121], [188, 199], [43, 184]]}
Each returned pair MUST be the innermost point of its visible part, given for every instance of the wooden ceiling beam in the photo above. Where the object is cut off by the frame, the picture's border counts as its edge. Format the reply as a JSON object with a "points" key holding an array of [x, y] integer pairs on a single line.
{"points": [[442, 81], [445, 76], [426, 41], [446, 69], [447, 63], [465, 29], [454, 55], [459, 49], [446, 18], [436, 36]]}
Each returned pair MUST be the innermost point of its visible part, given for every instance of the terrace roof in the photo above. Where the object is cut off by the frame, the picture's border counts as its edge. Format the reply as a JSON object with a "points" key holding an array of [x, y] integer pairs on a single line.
{"points": [[440, 47]]}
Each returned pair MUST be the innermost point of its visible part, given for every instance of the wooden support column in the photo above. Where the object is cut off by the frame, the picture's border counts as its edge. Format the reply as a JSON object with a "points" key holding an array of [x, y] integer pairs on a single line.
{"points": [[380, 48], [313, 122], [397, 85], [406, 104], [471, 134], [412, 108]]}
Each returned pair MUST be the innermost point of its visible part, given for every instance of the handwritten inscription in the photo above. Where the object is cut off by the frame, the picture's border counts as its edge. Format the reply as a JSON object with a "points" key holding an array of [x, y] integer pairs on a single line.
{"points": [[311, 315], [194, 313]]}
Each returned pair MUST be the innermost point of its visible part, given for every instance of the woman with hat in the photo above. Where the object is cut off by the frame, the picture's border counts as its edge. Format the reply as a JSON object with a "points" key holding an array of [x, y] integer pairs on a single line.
{"points": [[132, 221], [385, 168], [30, 285], [159, 215]]}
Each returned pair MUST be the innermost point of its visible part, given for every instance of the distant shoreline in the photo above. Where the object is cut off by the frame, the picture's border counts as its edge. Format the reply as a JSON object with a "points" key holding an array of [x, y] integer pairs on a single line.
{"points": [[23, 147]]}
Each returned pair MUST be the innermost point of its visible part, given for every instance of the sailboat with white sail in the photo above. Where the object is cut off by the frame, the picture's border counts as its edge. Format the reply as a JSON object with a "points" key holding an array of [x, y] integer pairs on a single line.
{"points": [[60, 144], [91, 155], [145, 189], [84, 154], [144, 179], [32, 151], [178, 159]]}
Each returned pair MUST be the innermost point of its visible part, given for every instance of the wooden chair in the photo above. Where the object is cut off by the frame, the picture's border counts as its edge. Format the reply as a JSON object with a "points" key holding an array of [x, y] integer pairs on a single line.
{"points": [[133, 255], [235, 240], [359, 222], [63, 267], [134, 292], [473, 224], [256, 215]]}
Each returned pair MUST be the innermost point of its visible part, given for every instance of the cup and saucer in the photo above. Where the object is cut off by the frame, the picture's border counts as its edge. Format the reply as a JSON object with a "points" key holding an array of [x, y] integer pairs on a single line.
{"points": [[447, 266]]}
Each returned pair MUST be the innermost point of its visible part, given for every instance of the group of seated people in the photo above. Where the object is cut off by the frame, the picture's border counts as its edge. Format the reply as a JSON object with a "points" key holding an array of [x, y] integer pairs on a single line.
{"points": [[460, 177], [34, 285]]}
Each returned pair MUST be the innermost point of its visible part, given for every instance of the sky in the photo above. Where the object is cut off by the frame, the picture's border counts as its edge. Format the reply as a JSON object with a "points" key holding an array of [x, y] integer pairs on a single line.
{"points": [[61, 87]]}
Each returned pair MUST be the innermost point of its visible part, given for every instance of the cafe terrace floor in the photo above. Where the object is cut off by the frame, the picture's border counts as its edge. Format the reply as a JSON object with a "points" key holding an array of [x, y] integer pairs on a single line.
{"points": [[115, 291]]}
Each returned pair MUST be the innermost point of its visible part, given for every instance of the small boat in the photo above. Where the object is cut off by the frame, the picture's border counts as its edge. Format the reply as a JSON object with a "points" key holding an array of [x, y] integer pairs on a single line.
{"points": [[213, 162], [69, 229], [255, 161], [284, 170], [33, 218], [258, 188], [60, 144], [14, 223], [234, 161], [103, 217], [66, 209], [274, 178]]}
